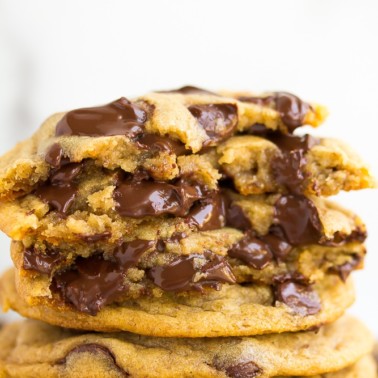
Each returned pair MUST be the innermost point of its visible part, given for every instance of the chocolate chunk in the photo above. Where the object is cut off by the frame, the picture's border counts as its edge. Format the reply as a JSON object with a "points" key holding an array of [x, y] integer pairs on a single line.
{"points": [[291, 108], [236, 218], [188, 89], [129, 253], [288, 167], [149, 198], [95, 237], [297, 218], [218, 120], [243, 370], [120, 117], [252, 251], [60, 198], [92, 284], [259, 129], [358, 235], [160, 143], [298, 296], [60, 191], [209, 214], [94, 348], [54, 155], [279, 247], [344, 270], [179, 275], [41, 262]]}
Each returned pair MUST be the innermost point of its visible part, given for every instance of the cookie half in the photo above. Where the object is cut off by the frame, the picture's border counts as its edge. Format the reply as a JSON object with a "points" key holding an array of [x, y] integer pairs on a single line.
{"points": [[31, 348]]}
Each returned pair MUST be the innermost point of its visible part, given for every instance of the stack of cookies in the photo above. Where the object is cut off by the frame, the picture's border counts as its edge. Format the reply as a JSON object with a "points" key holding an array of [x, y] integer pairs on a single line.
{"points": [[184, 233]]}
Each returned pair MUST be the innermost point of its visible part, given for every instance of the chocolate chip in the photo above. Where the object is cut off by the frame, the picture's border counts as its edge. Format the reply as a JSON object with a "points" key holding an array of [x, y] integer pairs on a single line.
{"points": [[54, 155], [344, 270], [95, 237], [147, 198], [94, 348], [243, 370], [41, 262], [59, 192], [236, 218], [94, 282], [120, 117], [188, 89], [291, 108], [298, 220], [180, 273], [218, 120], [298, 296], [128, 254], [209, 214], [288, 168], [155, 142], [253, 251]]}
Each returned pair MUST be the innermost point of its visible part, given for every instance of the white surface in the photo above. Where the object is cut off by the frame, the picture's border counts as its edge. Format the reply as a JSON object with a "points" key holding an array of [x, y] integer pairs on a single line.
{"points": [[57, 55]]}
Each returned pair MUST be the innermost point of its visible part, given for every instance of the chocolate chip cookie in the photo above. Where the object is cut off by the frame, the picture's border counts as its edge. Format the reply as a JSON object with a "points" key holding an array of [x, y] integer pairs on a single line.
{"points": [[31, 348]]}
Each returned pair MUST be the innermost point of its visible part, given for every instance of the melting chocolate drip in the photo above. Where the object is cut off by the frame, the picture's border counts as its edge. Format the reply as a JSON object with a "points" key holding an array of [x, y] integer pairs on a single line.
{"points": [[297, 220], [243, 370], [179, 275], [147, 198], [298, 296], [218, 120], [159, 143], [288, 168], [291, 108], [60, 191], [54, 155], [188, 89], [95, 282], [94, 348], [41, 262], [120, 117]]}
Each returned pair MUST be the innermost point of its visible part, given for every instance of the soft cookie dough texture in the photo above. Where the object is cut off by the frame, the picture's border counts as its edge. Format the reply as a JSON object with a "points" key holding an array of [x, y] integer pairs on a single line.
{"points": [[31, 349]]}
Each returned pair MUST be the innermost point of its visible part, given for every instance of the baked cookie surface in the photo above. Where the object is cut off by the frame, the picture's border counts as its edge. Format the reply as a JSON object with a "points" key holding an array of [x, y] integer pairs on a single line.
{"points": [[31, 348]]}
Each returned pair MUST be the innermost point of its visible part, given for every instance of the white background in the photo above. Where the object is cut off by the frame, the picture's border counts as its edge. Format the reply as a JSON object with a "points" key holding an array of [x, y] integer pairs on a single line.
{"points": [[57, 55]]}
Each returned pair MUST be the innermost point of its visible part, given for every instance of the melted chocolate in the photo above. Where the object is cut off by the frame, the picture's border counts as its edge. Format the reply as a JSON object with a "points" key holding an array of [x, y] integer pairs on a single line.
{"points": [[236, 218], [298, 296], [297, 220], [209, 214], [243, 370], [291, 108], [95, 237], [40, 262], [159, 143], [54, 155], [344, 270], [288, 167], [253, 251], [179, 274], [188, 89], [94, 348], [60, 191], [147, 198], [93, 283], [120, 117], [218, 120], [128, 254]]}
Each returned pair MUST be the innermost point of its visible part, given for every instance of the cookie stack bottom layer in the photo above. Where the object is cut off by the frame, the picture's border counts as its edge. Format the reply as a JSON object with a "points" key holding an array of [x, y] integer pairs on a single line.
{"points": [[33, 349]]}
